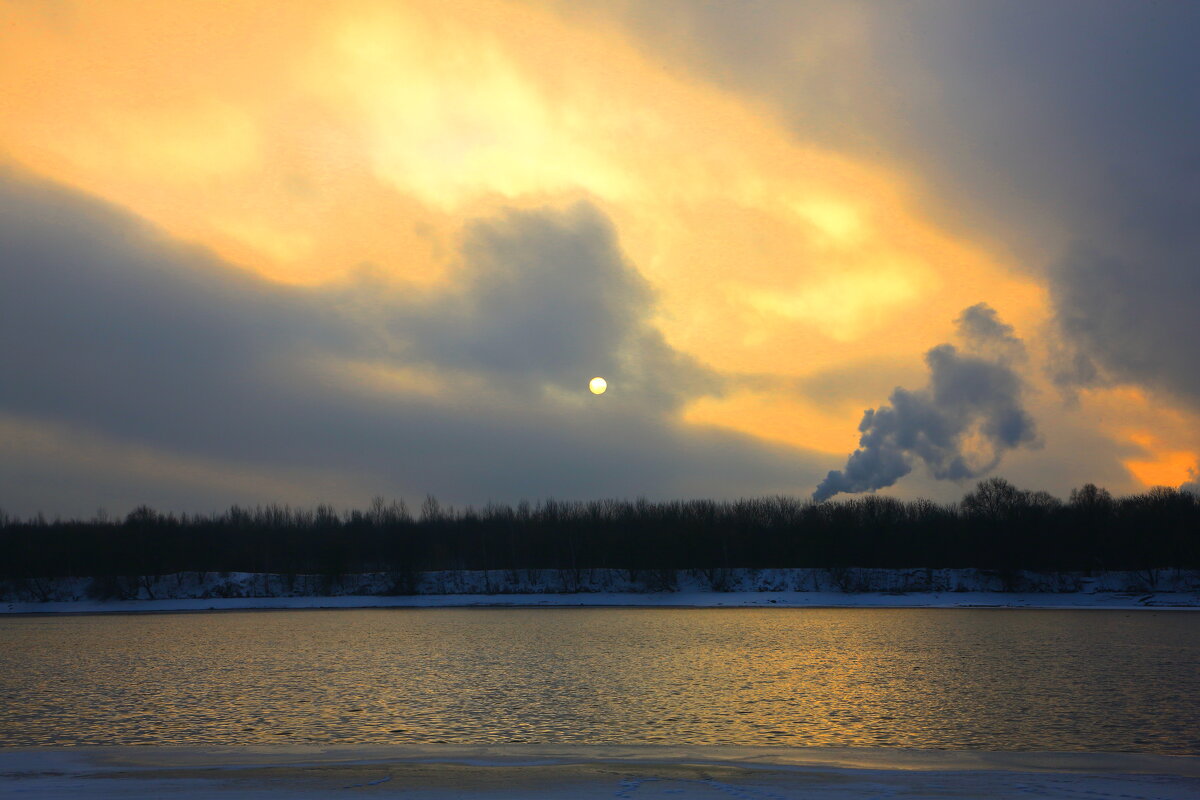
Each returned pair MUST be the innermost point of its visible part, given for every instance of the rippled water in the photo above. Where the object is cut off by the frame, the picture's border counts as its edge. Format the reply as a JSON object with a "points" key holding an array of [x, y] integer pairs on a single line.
{"points": [[979, 679]]}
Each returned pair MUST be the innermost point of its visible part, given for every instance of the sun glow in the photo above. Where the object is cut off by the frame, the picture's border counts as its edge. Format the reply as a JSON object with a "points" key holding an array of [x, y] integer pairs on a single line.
{"points": [[371, 132], [598, 385]]}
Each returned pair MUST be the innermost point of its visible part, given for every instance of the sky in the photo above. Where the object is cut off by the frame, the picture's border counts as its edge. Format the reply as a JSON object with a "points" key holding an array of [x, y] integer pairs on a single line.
{"points": [[302, 252]]}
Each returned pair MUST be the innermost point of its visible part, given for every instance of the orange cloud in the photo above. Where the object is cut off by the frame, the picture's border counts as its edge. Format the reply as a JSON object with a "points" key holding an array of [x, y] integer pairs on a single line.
{"points": [[308, 141], [1166, 468]]}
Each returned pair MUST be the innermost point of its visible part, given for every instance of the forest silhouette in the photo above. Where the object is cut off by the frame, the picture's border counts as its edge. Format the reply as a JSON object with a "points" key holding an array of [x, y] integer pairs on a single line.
{"points": [[996, 526]]}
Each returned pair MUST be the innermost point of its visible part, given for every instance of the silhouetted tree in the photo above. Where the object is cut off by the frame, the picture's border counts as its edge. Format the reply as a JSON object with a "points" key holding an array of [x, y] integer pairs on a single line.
{"points": [[997, 526]]}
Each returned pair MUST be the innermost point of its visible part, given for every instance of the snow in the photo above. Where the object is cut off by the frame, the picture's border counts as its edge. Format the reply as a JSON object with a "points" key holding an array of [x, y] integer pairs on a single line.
{"points": [[546, 772], [1106, 600], [781, 588]]}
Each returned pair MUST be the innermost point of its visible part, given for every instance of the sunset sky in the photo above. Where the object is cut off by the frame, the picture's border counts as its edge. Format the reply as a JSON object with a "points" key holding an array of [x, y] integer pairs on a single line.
{"points": [[306, 252]]}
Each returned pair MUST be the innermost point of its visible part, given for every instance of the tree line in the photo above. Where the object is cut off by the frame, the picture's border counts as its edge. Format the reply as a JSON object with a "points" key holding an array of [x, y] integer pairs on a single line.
{"points": [[995, 526]]}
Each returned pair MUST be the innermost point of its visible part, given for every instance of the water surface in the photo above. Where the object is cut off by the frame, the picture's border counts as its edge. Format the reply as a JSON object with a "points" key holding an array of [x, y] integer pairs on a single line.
{"points": [[913, 678]]}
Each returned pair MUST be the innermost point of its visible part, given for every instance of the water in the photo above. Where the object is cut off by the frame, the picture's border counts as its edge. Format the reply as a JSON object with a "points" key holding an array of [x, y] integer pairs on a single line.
{"points": [[956, 679]]}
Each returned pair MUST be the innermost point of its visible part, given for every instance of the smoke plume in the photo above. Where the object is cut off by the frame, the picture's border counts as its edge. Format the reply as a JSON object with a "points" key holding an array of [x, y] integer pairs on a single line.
{"points": [[959, 425]]}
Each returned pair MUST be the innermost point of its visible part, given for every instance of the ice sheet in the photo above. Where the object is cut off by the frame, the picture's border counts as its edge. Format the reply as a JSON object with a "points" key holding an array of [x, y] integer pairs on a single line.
{"points": [[544, 772]]}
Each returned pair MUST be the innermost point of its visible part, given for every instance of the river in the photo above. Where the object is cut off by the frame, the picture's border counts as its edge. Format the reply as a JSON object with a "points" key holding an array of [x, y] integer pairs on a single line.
{"points": [[960, 679]]}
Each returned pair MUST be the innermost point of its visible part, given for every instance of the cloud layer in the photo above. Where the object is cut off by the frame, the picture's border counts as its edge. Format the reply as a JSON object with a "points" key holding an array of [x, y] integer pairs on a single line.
{"points": [[785, 204], [123, 339]]}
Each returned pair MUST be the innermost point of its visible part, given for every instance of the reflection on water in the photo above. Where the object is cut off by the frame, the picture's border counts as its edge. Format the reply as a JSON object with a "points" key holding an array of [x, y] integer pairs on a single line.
{"points": [[978, 679]]}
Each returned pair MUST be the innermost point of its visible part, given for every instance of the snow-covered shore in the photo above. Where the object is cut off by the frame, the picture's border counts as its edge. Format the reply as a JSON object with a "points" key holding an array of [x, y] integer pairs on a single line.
{"points": [[1101, 600], [547, 772], [786, 588]]}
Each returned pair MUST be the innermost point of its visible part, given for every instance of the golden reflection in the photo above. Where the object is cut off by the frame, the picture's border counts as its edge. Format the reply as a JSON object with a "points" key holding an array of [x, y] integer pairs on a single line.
{"points": [[896, 678]]}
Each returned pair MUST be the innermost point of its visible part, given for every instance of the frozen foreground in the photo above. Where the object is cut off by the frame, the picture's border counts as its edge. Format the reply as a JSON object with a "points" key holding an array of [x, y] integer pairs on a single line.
{"points": [[794, 588], [544, 772]]}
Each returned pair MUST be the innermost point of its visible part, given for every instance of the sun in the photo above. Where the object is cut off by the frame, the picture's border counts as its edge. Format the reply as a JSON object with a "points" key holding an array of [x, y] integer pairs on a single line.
{"points": [[598, 385]]}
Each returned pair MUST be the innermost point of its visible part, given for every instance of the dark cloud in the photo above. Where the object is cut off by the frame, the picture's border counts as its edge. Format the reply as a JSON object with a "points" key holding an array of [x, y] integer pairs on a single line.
{"points": [[548, 299], [959, 426], [1070, 369], [1069, 133], [1139, 319], [981, 330], [105, 322], [112, 331]]}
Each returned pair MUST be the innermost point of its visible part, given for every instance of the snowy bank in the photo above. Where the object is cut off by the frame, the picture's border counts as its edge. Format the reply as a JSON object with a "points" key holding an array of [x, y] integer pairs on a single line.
{"points": [[1100, 600], [794, 588], [547, 772]]}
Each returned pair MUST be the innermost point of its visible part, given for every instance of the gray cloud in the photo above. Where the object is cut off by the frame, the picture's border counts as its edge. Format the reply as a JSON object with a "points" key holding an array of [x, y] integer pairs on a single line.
{"points": [[1139, 319], [1070, 134], [104, 322], [141, 345], [545, 298], [1070, 369], [981, 330], [959, 426]]}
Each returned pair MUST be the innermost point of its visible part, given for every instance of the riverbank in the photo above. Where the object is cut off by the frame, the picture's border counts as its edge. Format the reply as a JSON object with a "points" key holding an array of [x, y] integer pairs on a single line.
{"points": [[547, 772], [734, 588], [1159, 601]]}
